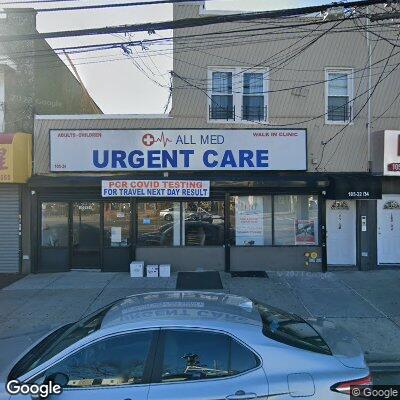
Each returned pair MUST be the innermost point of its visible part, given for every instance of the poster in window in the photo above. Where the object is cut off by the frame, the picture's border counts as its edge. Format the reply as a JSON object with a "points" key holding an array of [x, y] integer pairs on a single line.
{"points": [[249, 221], [305, 232], [116, 234]]}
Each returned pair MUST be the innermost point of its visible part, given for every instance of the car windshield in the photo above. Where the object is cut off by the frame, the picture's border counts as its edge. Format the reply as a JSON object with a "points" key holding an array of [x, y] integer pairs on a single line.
{"points": [[58, 341], [290, 329]]}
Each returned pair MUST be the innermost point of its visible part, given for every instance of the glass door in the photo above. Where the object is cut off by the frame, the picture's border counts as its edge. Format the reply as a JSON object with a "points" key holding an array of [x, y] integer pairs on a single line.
{"points": [[86, 235]]}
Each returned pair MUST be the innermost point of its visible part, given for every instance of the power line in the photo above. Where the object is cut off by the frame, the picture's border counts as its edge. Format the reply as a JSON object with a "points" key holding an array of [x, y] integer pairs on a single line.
{"points": [[189, 38], [185, 23], [357, 114], [116, 5], [34, 2]]}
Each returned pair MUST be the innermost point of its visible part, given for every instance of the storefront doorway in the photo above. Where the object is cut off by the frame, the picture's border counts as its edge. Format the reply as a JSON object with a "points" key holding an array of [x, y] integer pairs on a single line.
{"points": [[388, 216], [341, 232], [86, 235]]}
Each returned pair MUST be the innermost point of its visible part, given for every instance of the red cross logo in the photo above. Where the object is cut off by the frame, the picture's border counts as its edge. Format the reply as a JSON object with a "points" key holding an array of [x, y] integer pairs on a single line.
{"points": [[148, 139]]}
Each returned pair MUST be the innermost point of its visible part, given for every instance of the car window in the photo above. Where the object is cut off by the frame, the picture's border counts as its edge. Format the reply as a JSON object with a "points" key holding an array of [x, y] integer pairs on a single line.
{"points": [[58, 341], [242, 359], [193, 355], [290, 329], [115, 361]]}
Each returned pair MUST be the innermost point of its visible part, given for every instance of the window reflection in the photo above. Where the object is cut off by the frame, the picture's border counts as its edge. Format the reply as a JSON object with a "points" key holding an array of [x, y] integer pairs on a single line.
{"points": [[191, 355], [251, 220], [111, 362], [159, 224], [296, 220], [86, 225], [203, 223], [55, 224], [117, 224]]}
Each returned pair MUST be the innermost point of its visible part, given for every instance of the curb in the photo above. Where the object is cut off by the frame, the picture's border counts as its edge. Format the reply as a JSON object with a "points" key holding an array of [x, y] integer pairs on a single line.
{"points": [[392, 366]]}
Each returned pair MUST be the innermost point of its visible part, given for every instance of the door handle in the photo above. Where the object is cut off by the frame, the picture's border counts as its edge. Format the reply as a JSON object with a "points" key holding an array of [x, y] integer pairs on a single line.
{"points": [[241, 395]]}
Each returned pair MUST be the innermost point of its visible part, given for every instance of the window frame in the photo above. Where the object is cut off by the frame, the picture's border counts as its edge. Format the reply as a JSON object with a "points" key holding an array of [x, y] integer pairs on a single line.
{"points": [[130, 236], [159, 358], [182, 243], [237, 94], [273, 195], [350, 93], [40, 371]]}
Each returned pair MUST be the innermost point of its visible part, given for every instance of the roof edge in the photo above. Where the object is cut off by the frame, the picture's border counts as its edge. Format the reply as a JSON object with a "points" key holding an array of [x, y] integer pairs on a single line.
{"points": [[101, 116]]}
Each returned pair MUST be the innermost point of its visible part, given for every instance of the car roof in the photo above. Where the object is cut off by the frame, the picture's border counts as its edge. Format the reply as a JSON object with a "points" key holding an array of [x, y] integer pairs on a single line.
{"points": [[181, 308]]}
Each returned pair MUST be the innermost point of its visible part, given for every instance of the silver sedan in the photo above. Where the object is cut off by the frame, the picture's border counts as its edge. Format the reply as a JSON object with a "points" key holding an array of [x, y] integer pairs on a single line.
{"points": [[191, 345]]}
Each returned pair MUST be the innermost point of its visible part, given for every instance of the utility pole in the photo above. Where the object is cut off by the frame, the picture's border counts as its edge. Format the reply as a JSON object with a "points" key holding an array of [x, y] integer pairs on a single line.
{"points": [[369, 93]]}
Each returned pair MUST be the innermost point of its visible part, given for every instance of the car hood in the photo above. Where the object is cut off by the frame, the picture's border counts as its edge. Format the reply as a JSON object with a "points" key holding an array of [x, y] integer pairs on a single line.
{"points": [[343, 345]]}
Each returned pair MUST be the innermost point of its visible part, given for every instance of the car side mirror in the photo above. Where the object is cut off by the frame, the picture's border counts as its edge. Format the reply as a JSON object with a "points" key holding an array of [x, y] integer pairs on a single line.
{"points": [[57, 379]]}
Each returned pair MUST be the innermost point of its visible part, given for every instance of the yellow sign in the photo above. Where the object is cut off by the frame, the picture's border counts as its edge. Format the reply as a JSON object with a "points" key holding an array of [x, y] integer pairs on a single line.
{"points": [[15, 157]]}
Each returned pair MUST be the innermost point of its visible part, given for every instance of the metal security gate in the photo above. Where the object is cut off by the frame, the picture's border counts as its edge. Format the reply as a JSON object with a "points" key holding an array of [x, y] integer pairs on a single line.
{"points": [[9, 228]]}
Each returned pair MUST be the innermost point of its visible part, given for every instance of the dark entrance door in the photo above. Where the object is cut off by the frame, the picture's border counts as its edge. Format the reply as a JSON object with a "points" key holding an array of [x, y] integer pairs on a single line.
{"points": [[86, 235]]}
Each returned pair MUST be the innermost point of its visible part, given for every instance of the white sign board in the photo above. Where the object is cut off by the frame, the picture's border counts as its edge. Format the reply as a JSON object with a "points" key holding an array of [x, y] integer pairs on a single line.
{"points": [[391, 159], [178, 150], [155, 188], [249, 220]]}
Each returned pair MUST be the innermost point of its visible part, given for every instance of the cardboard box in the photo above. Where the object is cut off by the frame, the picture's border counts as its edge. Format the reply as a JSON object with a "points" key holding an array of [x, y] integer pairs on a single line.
{"points": [[152, 271], [137, 269], [165, 270]]}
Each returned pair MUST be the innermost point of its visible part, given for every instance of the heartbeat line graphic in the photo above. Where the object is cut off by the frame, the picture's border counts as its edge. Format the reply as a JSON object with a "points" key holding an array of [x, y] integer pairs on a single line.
{"points": [[162, 139]]}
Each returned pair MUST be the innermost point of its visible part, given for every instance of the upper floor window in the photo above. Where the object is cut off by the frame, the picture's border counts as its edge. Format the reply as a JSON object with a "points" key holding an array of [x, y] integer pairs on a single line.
{"points": [[253, 108], [222, 97], [339, 96], [237, 95]]}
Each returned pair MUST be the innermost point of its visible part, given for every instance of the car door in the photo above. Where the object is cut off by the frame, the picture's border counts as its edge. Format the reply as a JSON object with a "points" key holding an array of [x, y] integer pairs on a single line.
{"points": [[116, 367], [200, 364]]}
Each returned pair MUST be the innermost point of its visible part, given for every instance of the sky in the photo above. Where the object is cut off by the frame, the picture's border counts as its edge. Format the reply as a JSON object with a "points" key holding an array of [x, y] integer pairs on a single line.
{"points": [[120, 84]]}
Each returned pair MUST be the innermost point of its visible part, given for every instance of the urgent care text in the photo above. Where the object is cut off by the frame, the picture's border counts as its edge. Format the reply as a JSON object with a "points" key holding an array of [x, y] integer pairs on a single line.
{"points": [[153, 159]]}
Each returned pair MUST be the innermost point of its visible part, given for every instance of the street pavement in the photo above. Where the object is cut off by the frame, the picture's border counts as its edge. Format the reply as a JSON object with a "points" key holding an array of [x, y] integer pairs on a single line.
{"points": [[366, 303]]}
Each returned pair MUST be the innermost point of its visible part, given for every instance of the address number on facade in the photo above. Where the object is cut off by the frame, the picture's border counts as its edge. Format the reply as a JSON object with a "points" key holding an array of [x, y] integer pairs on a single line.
{"points": [[359, 194]]}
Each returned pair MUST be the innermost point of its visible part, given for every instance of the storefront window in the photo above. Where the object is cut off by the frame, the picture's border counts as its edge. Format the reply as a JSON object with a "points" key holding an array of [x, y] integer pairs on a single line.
{"points": [[203, 223], [251, 220], [54, 224], [159, 224], [117, 224], [296, 220]]}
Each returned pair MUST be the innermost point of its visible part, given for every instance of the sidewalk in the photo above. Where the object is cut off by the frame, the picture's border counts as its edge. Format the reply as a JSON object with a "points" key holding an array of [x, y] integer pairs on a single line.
{"points": [[366, 303]]}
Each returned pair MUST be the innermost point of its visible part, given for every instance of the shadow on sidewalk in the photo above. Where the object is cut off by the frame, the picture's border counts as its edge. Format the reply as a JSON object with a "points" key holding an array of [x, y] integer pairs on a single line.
{"points": [[8, 279]]}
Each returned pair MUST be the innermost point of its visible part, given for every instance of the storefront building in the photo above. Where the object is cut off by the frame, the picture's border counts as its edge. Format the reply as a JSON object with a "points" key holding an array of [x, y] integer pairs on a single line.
{"points": [[254, 167], [15, 169], [208, 198]]}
